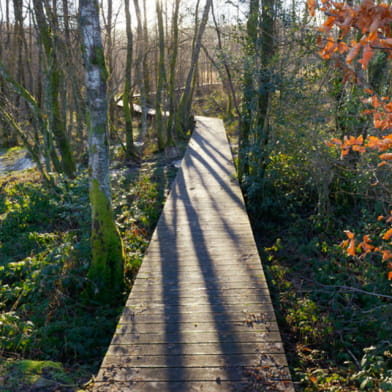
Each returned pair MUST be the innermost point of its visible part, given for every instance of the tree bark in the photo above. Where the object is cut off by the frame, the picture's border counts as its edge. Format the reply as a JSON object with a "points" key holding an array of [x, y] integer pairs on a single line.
{"points": [[53, 91], [106, 269], [249, 91], [264, 90], [127, 102], [172, 76], [160, 124], [139, 65]]}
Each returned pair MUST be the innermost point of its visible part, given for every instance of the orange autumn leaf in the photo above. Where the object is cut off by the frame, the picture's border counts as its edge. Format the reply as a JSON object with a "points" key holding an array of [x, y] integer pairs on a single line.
{"points": [[342, 47], [387, 156], [351, 248], [375, 101], [329, 48], [390, 275], [386, 255], [353, 52], [312, 7], [372, 35], [344, 243], [366, 238], [378, 123], [367, 55], [380, 217], [387, 42], [349, 234], [365, 245], [359, 148], [344, 152], [387, 235], [336, 141]]}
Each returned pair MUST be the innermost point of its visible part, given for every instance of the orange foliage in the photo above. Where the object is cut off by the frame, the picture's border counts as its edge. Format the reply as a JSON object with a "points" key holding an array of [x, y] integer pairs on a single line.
{"points": [[374, 22]]}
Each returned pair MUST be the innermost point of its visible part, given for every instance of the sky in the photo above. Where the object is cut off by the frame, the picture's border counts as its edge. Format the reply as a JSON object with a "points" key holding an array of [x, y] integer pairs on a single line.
{"points": [[221, 8]]}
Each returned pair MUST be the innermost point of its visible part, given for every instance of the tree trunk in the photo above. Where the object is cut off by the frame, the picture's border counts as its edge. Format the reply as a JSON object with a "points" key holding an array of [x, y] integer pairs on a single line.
{"points": [[160, 124], [53, 91], [172, 77], [249, 92], [127, 102], [106, 270], [139, 65], [39, 121], [264, 94]]}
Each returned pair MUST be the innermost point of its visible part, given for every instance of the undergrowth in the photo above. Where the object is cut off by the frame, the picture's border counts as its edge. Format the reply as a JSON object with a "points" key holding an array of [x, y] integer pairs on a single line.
{"points": [[334, 310], [44, 259]]}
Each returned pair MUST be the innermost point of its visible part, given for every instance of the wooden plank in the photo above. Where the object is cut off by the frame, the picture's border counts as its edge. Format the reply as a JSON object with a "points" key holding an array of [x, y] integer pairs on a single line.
{"points": [[196, 386], [230, 336], [234, 373], [200, 316], [159, 292], [203, 326], [202, 309], [151, 284], [240, 348], [218, 360], [130, 316]]}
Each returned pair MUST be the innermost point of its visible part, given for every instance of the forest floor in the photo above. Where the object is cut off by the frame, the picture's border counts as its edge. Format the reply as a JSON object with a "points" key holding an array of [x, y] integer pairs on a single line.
{"points": [[53, 338], [334, 311]]}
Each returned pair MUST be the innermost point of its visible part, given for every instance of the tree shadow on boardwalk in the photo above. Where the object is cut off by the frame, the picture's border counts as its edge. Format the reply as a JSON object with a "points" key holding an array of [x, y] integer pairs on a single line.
{"points": [[199, 317]]}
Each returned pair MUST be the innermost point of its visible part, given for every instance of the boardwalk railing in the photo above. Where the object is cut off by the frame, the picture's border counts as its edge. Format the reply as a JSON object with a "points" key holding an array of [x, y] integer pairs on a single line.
{"points": [[199, 317]]}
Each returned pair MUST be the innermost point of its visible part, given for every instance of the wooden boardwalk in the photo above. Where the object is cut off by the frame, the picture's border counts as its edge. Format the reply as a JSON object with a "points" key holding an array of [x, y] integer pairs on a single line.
{"points": [[199, 317]]}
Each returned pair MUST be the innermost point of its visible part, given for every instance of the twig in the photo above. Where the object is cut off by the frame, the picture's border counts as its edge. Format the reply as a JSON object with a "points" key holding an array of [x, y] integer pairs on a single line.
{"points": [[348, 288], [350, 352]]}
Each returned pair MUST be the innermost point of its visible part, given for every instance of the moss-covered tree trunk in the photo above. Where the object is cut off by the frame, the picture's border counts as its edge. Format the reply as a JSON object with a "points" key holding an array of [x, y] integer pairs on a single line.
{"points": [[249, 89], [55, 77], [106, 270], [265, 91]]}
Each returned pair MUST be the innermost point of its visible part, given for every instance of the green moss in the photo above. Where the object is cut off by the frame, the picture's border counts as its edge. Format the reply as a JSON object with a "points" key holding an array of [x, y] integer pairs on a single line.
{"points": [[98, 58], [106, 270], [29, 375]]}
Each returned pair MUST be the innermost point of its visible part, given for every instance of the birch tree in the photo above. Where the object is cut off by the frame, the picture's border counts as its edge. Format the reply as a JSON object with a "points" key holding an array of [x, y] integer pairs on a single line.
{"points": [[106, 270]]}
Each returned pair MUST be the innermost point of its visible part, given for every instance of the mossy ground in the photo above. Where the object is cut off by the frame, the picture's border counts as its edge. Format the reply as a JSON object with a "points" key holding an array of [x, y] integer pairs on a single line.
{"points": [[29, 375]]}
